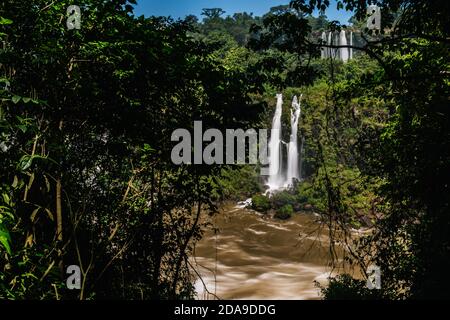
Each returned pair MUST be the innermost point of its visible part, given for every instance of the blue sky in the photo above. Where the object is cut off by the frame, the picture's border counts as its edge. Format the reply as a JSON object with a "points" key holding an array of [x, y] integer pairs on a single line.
{"points": [[181, 8]]}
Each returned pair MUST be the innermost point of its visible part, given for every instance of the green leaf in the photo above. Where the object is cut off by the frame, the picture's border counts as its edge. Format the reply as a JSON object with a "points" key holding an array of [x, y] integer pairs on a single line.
{"points": [[5, 21], [6, 211], [31, 181], [50, 214], [5, 81], [16, 99], [5, 239], [4, 242], [34, 213], [22, 128], [6, 198], [148, 148], [47, 183], [25, 162], [15, 182]]}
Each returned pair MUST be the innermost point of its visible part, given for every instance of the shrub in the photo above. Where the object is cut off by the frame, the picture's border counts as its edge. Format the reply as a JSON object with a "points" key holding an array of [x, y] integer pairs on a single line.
{"points": [[283, 198], [344, 287], [237, 183], [284, 212], [311, 194], [260, 203]]}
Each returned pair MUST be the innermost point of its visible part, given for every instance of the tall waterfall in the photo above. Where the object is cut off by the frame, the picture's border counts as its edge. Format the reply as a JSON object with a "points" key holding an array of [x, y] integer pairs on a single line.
{"points": [[343, 42], [324, 51], [293, 159], [277, 178], [275, 157]]}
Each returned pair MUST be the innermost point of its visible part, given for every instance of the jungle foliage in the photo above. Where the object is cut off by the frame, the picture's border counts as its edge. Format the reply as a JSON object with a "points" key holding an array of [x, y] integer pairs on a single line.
{"points": [[383, 136], [86, 118]]}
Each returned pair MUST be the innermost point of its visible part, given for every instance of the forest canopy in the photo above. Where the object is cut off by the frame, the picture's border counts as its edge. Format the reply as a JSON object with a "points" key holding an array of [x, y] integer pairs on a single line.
{"points": [[86, 115]]}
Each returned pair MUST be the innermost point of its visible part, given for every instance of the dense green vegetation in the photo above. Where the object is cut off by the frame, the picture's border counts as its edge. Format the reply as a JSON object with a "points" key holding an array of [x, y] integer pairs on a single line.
{"points": [[86, 122], [382, 142], [86, 118], [377, 136]]}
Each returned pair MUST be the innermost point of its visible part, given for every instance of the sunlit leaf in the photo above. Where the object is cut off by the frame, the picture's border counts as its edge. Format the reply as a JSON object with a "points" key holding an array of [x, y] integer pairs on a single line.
{"points": [[5, 239], [16, 99]]}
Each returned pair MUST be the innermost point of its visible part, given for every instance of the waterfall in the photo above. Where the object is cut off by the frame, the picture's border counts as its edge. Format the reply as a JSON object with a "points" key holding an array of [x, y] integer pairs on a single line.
{"points": [[337, 39], [324, 50], [277, 179], [337, 52], [275, 159], [343, 52], [330, 42], [293, 159]]}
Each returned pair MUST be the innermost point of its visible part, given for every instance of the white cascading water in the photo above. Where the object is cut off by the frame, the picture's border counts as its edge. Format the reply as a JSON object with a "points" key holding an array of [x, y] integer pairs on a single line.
{"points": [[330, 42], [343, 54], [324, 51], [293, 160], [275, 181], [337, 52], [338, 39]]}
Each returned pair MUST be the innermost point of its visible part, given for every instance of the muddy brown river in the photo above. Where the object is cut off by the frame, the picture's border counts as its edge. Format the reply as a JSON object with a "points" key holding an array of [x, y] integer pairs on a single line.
{"points": [[247, 255]]}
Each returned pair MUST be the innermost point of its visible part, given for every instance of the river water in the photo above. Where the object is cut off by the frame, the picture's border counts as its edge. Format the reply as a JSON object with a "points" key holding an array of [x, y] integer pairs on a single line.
{"points": [[247, 255]]}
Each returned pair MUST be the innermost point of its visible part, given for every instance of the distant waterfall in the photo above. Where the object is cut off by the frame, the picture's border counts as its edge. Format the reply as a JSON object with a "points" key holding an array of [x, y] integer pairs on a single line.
{"points": [[330, 42], [343, 54], [337, 39], [293, 159], [275, 157], [324, 51]]}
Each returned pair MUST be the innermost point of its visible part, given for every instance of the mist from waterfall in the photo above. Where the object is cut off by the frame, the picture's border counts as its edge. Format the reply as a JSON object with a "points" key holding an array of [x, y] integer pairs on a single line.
{"points": [[275, 156], [293, 157]]}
